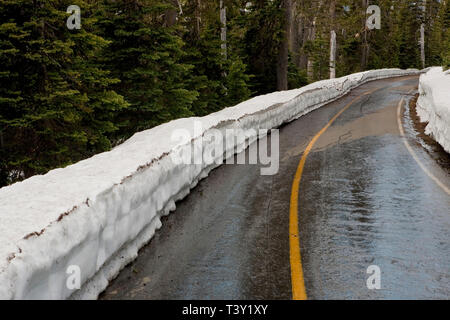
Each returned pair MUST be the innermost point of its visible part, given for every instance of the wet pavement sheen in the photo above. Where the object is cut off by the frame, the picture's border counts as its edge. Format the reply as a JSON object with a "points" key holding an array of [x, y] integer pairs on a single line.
{"points": [[363, 201]]}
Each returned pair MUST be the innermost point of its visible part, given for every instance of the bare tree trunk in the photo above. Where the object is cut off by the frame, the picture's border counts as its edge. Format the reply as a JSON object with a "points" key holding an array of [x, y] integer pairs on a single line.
{"points": [[310, 62], [171, 15], [333, 40], [291, 25], [301, 57], [296, 35], [197, 17], [365, 45], [303, 37], [422, 36], [333, 55], [223, 29], [422, 44], [283, 53]]}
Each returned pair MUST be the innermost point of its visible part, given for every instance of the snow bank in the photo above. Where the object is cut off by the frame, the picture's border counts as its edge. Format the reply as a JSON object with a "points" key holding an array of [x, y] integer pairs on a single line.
{"points": [[433, 105], [97, 213]]}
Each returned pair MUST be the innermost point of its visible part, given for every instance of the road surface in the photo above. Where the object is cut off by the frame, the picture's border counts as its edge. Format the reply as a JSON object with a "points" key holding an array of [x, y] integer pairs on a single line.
{"points": [[371, 193]]}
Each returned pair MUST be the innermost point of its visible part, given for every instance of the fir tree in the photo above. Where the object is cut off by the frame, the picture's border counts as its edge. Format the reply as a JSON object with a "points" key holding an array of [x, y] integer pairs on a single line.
{"points": [[445, 52], [263, 36], [220, 79], [145, 55], [56, 103]]}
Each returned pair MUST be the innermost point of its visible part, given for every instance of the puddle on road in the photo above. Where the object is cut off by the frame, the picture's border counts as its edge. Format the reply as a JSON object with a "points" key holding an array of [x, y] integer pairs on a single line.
{"points": [[378, 123], [366, 202]]}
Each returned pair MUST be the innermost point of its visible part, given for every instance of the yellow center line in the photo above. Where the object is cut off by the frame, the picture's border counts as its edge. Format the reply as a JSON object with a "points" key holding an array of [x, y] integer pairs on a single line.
{"points": [[297, 280]]}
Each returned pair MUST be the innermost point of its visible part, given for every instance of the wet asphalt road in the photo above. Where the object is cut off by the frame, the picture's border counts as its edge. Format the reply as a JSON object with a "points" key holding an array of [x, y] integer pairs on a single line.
{"points": [[363, 201]]}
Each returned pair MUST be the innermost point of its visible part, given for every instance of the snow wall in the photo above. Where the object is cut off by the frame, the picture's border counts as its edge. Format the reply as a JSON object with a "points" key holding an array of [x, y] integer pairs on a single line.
{"points": [[96, 214], [433, 105]]}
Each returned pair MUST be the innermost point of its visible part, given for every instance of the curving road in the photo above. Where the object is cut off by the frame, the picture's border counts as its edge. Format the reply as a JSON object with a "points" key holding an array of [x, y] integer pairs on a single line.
{"points": [[373, 191]]}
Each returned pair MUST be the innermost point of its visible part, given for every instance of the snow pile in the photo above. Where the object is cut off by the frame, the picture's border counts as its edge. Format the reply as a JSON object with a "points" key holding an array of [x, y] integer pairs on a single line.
{"points": [[433, 105], [94, 215]]}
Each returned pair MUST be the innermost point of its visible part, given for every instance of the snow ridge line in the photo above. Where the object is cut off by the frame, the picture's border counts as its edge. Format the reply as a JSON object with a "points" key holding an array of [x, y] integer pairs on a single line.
{"points": [[121, 196], [433, 105]]}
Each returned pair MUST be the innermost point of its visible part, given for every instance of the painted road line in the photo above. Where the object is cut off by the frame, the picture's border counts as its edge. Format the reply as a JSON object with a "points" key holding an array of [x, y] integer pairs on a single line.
{"points": [[297, 280], [412, 152]]}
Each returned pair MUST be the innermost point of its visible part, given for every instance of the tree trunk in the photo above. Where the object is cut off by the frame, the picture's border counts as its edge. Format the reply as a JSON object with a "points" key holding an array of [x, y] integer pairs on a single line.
{"points": [[365, 44], [310, 62], [333, 55], [223, 29], [296, 36], [283, 53], [197, 17], [171, 15], [422, 36], [333, 40]]}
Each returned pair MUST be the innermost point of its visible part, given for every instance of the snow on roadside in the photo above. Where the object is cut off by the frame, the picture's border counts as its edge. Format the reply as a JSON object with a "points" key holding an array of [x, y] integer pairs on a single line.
{"points": [[433, 105], [97, 213]]}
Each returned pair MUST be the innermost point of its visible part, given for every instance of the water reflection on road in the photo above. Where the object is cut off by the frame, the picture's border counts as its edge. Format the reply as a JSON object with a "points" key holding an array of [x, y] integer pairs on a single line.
{"points": [[363, 201], [367, 202]]}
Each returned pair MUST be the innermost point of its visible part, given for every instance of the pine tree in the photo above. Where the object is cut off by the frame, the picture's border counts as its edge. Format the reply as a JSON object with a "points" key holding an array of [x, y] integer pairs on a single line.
{"points": [[384, 43], [68, 94], [434, 34], [445, 52], [220, 79], [408, 37], [145, 54], [263, 36], [56, 103]]}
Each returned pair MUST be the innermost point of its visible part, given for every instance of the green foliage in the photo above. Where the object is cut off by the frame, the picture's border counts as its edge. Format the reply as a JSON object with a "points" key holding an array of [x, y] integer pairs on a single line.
{"points": [[264, 33], [66, 95], [409, 55], [56, 101], [297, 78], [237, 82], [145, 54], [320, 56], [221, 80], [446, 36], [446, 52], [208, 72]]}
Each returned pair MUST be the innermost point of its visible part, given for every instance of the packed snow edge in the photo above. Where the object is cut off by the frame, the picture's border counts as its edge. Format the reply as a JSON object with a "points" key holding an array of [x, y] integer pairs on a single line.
{"points": [[433, 105], [97, 213]]}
